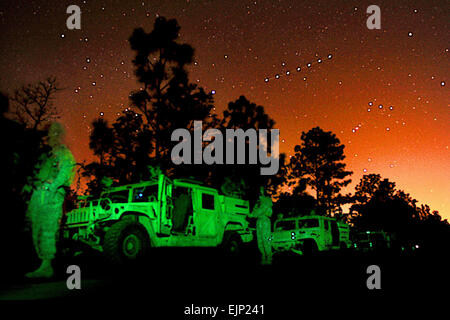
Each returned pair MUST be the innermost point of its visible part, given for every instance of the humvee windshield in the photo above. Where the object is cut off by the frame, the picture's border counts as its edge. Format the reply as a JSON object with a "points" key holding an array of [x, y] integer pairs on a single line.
{"points": [[285, 225], [364, 236], [145, 194], [87, 203], [117, 196], [377, 236], [308, 223]]}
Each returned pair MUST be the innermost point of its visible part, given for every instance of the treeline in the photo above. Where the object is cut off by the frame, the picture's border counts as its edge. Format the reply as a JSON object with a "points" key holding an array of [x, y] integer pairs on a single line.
{"points": [[139, 141], [23, 119], [140, 138]]}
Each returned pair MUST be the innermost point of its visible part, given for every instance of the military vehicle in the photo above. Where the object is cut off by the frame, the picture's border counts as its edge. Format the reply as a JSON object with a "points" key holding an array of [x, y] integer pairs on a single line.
{"points": [[366, 241], [126, 221], [310, 234]]}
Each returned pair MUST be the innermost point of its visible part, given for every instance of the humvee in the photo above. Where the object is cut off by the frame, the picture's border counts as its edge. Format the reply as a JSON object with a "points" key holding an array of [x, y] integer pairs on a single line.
{"points": [[127, 220], [372, 241], [310, 234]]}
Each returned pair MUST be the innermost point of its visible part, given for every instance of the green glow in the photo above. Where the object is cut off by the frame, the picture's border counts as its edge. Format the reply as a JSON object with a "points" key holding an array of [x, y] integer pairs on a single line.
{"points": [[177, 213], [325, 232], [54, 172]]}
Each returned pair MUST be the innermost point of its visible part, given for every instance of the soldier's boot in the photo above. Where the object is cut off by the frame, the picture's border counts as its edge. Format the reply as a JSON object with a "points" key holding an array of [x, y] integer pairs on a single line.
{"points": [[44, 271], [266, 259]]}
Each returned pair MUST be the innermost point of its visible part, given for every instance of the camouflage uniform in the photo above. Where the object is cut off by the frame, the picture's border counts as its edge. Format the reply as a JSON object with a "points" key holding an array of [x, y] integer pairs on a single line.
{"points": [[232, 189], [262, 211], [45, 207]]}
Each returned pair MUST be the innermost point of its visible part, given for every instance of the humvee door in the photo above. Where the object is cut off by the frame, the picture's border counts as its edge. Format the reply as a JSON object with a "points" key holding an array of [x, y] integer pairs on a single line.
{"points": [[165, 205]]}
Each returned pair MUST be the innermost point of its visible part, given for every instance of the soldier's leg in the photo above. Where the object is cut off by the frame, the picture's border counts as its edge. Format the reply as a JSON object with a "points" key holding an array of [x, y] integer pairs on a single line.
{"points": [[268, 243], [50, 226], [49, 214], [34, 213], [268, 250], [262, 242], [261, 247], [36, 235], [266, 246]]}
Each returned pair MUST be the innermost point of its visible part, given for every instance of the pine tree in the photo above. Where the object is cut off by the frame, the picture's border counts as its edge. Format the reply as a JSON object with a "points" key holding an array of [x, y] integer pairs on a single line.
{"points": [[318, 160]]}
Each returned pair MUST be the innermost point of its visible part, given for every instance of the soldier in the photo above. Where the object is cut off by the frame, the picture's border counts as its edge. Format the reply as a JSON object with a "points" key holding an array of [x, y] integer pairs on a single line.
{"points": [[232, 189], [56, 171], [155, 171], [263, 211], [106, 182]]}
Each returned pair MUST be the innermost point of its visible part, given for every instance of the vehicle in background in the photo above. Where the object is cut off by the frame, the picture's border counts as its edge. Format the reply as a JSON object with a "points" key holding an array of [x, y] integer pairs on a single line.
{"points": [[310, 234], [367, 241]]}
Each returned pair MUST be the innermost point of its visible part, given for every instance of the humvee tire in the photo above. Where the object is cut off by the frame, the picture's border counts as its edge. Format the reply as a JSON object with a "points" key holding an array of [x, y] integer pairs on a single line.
{"points": [[343, 247], [310, 248], [231, 244], [70, 248], [126, 241], [67, 248]]}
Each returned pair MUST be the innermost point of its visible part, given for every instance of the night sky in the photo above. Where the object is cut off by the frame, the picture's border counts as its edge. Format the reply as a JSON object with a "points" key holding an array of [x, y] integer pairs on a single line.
{"points": [[384, 93]]}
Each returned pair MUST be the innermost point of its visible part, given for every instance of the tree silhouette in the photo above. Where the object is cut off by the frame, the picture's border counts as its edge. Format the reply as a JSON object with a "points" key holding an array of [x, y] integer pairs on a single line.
{"points": [[371, 185], [101, 140], [123, 151], [166, 99], [295, 203], [380, 206], [33, 104], [11, 146], [21, 149], [318, 160], [128, 131], [243, 114]]}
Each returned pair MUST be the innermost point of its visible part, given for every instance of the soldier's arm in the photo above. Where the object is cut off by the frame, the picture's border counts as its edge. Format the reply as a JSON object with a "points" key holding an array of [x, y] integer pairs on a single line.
{"points": [[66, 165], [31, 179]]}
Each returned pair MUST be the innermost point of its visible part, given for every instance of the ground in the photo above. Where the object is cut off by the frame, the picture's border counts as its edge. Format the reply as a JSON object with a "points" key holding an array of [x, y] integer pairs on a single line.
{"points": [[172, 279]]}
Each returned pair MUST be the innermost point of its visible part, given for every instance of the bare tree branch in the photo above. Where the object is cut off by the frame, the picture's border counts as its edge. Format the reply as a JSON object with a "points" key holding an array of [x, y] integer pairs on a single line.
{"points": [[33, 104]]}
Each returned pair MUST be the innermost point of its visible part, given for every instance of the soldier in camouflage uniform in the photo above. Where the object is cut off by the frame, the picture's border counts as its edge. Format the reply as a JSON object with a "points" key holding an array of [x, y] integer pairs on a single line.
{"points": [[56, 171], [231, 188], [263, 211]]}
